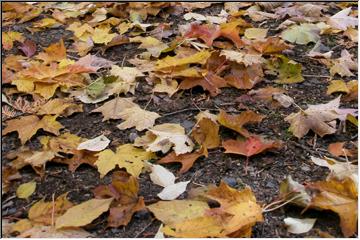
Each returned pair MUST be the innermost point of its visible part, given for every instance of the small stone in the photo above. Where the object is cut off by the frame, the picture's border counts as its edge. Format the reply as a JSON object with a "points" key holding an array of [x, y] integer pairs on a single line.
{"points": [[305, 168], [187, 124], [230, 181], [133, 136]]}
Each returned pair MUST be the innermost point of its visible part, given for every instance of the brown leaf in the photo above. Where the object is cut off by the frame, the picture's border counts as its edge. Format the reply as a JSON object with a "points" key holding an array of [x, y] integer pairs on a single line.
{"points": [[28, 48], [266, 94], [124, 189], [270, 45], [340, 197], [337, 149], [206, 133], [251, 146], [27, 126], [60, 106], [243, 77], [207, 33], [237, 122], [186, 160]]}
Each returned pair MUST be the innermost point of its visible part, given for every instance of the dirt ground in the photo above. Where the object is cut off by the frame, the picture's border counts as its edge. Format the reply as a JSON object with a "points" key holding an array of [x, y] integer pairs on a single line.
{"points": [[265, 170]]}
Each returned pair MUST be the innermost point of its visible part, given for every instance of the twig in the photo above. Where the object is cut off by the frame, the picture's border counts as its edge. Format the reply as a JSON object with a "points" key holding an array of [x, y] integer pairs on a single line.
{"points": [[281, 205], [53, 210], [138, 234], [317, 152], [195, 109], [316, 76]]}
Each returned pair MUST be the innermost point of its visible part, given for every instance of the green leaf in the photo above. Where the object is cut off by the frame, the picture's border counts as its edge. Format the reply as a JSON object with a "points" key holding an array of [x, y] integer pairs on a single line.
{"points": [[96, 88]]}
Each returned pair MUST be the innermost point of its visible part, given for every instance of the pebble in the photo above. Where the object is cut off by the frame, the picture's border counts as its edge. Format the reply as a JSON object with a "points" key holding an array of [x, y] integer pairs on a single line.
{"points": [[133, 136], [187, 124], [230, 181]]}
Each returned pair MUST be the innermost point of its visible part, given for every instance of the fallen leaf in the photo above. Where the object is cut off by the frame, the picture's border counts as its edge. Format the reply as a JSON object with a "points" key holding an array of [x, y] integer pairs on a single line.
{"points": [[337, 86], [301, 34], [126, 156], [50, 232], [112, 108], [243, 58], [27, 126], [298, 226], [8, 39], [138, 118], [60, 106], [317, 118], [28, 47], [342, 20], [47, 212], [243, 77], [283, 99], [251, 146], [337, 149], [168, 62], [84, 213], [164, 136], [101, 35], [266, 95], [96, 144], [237, 122], [353, 94], [124, 190], [343, 65], [126, 79], [90, 63], [287, 71], [352, 34], [270, 45], [25, 190], [187, 159], [161, 176], [54, 53], [206, 133], [339, 197], [152, 45], [256, 33], [171, 192]]}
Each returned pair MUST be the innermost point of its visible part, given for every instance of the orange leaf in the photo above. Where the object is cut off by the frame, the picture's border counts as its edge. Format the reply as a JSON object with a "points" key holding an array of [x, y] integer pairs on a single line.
{"points": [[54, 53], [124, 189], [206, 133], [237, 122], [252, 146], [243, 77], [270, 45], [231, 30], [207, 33], [337, 149], [186, 160]]}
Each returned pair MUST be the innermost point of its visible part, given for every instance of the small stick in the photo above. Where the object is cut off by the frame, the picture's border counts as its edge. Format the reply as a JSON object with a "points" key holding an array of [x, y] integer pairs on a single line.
{"points": [[138, 234], [53, 210]]}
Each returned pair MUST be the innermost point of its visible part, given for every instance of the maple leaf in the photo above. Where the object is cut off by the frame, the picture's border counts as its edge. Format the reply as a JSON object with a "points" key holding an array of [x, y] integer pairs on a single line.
{"points": [[164, 136], [206, 133], [89, 63], [251, 146], [288, 71], [207, 33], [81, 31], [138, 118], [168, 62], [126, 79], [126, 156], [54, 53], [243, 58], [337, 86], [102, 35], [112, 109], [8, 38], [46, 212], [25, 190], [340, 197], [266, 94], [152, 45], [187, 160], [124, 190], [27, 126], [256, 33], [28, 47], [243, 77], [231, 30], [237, 122], [342, 20], [343, 65], [337, 149], [50, 232], [302, 34], [84, 213], [353, 94], [270, 45], [317, 118], [60, 106]]}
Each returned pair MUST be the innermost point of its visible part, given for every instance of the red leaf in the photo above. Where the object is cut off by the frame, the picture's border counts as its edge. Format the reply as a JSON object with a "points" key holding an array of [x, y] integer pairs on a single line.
{"points": [[28, 48]]}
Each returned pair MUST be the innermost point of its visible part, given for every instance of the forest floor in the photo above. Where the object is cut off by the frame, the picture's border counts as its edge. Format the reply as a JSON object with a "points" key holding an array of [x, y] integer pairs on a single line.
{"points": [[265, 171]]}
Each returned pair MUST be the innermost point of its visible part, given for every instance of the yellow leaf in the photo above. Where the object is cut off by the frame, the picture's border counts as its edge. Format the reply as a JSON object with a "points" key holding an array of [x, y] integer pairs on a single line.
{"points": [[59, 106], [152, 45], [27, 126], [169, 87], [21, 226], [126, 156], [46, 90], [46, 23], [8, 39], [82, 32], [198, 58], [54, 53], [83, 213], [337, 86], [137, 117], [102, 35], [256, 33], [111, 109], [26, 189], [46, 212]]}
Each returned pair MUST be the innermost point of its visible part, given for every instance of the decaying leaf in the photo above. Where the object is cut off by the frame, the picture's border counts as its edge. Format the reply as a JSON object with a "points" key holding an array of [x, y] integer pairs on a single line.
{"points": [[344, 65], [126, 156], [96, 144], [302, 34], [342, 20], [124, 190], [112, 108], [206, 133], [164, 136], [138, 118], [287, 71], [298, 226]]}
